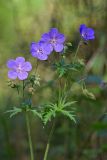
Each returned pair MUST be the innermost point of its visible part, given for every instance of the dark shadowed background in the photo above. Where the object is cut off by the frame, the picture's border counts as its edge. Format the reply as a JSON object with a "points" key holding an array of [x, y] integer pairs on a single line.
{"points": [[23, 21]]}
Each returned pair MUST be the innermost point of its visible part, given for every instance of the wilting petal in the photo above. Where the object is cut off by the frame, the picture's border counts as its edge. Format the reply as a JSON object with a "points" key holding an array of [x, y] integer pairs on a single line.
{"points": [[58, 47], [60, 38], [12, 74], [11, 63], [23, 75], [20, 60], [27, 66]]}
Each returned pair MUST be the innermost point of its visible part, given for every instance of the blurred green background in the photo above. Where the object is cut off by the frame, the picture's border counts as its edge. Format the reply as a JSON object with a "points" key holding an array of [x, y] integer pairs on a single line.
{"points": [[23, 21]]}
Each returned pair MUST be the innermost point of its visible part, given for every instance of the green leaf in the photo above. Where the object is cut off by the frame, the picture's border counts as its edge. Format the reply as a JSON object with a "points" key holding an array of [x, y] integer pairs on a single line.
{"points": [[14, 111], [69, 114], [51, 110], [36, 113], [47, 116], [67, 104]]}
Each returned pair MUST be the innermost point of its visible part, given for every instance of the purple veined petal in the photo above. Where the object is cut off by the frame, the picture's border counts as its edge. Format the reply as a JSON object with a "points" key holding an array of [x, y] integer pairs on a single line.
{"points": [[41, 51], [60, 38], [42, 57], [27, 66], [33, 49], [11, 63], [22, 75], [84, 34], [39, 56], [12, 74], [53, 32], [91, 37], [40, 44], [45, 37], [90, 31], [34, 54], [33, 46], [58, 47], [47, 48], [36, 46], [82, 27], [20, 60]]}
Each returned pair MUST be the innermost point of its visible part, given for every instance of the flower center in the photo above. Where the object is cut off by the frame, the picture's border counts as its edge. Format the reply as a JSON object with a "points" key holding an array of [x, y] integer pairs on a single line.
{"points": [[85, 34], [39, 51], [19, 68], [53, 41]]}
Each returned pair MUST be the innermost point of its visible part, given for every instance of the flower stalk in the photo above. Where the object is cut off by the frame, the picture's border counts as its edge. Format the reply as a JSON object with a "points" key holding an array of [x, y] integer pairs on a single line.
{"points": [[29, 136], [49, 140], [77, 51], [28, 128]]}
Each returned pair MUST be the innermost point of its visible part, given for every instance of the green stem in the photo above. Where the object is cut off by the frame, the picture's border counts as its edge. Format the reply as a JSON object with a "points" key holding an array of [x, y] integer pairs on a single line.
{"points": [[23, 89], [49, 139], [17, 90], [37, 64], [77, 51], [29, 136]]}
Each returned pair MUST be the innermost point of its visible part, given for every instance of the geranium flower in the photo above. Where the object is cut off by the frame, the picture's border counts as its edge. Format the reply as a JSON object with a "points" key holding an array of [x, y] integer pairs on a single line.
{"points": [[54, 40], [18, 68], [39, 50], [86, 33]]}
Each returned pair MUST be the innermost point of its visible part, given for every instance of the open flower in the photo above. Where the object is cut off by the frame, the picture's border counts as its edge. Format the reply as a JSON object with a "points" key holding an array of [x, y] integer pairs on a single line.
{"points": [[54, 40], [86, 33], [18, 68], [39, 50]]}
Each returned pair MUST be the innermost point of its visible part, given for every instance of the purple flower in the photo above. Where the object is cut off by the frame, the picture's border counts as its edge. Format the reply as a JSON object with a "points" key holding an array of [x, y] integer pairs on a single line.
{"points": [[39, 50], [54, 40], [86, 33], [18, 68]]}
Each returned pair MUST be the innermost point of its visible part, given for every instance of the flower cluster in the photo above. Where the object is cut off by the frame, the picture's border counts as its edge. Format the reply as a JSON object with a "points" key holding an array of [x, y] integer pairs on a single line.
{"points": [[49, 42], [53, 40], [62, 102]]}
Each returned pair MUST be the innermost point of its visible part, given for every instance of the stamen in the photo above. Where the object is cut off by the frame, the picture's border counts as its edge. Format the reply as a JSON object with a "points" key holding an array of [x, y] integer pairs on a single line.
{"points": [[53, 41]]}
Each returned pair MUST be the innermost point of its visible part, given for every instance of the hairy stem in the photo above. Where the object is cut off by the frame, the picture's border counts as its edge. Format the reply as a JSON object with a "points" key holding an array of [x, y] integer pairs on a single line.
{"points": [[23, 89], [37, 64], [77, 51], [29, 137], [49, 139]]}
